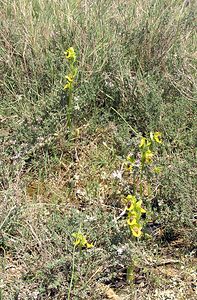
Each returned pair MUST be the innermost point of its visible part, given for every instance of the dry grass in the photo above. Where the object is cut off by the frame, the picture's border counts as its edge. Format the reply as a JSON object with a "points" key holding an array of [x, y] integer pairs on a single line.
{"points": [[138, 57]]}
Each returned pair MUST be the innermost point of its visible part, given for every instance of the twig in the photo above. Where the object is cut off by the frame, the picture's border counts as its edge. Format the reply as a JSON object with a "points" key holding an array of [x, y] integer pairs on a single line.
{"points": [[34, 234], [166, 262], [97, 271], [121, 214]]}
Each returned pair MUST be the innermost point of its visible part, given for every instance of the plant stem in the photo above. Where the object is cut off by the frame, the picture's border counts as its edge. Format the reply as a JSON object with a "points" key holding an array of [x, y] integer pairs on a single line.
{"points": [[72, 275], [141, 177], [134, 131], [69, 111]]}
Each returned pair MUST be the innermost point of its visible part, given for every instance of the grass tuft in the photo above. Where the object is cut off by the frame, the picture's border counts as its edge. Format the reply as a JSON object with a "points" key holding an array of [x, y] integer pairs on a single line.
{"points": [[136, 64]]}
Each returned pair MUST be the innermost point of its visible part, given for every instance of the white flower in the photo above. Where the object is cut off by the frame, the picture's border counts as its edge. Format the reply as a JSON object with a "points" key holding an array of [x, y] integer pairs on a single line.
{"points": [[77, 107], [121, 249], [117, 174]]}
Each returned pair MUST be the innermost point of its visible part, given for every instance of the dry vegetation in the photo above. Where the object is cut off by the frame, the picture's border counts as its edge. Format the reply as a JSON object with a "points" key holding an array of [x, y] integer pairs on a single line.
{"points": [[136, 67]]}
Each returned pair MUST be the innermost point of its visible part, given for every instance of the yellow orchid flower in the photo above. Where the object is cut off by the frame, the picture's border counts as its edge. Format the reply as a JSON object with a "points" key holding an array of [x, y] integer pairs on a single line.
{"points": [[131, 220], [136, 229], [130, 163], [131, 198], [69, 77], [81, 241], [70, 54], [142, 142], [148, 156], [134, 206], [134, 211], [130, 201], [130, 207], [157, 137], [89, 245], [67, 86]]}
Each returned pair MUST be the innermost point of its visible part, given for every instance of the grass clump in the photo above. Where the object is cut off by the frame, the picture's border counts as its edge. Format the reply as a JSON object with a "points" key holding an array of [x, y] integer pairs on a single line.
{"points": [[136, 73]]}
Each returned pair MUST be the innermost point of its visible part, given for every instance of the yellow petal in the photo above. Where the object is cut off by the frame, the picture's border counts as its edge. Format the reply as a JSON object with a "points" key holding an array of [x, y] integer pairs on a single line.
{"points": [[67, 86], [70, 53], [76, 243], [136, 234], [69, 77], [130, 208], [138, 206], [142, 142], [148, 156], [131, 222], [89, 245], [136, 230], [143, 210], [157, 137], [131, 198], [139, 203]]}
